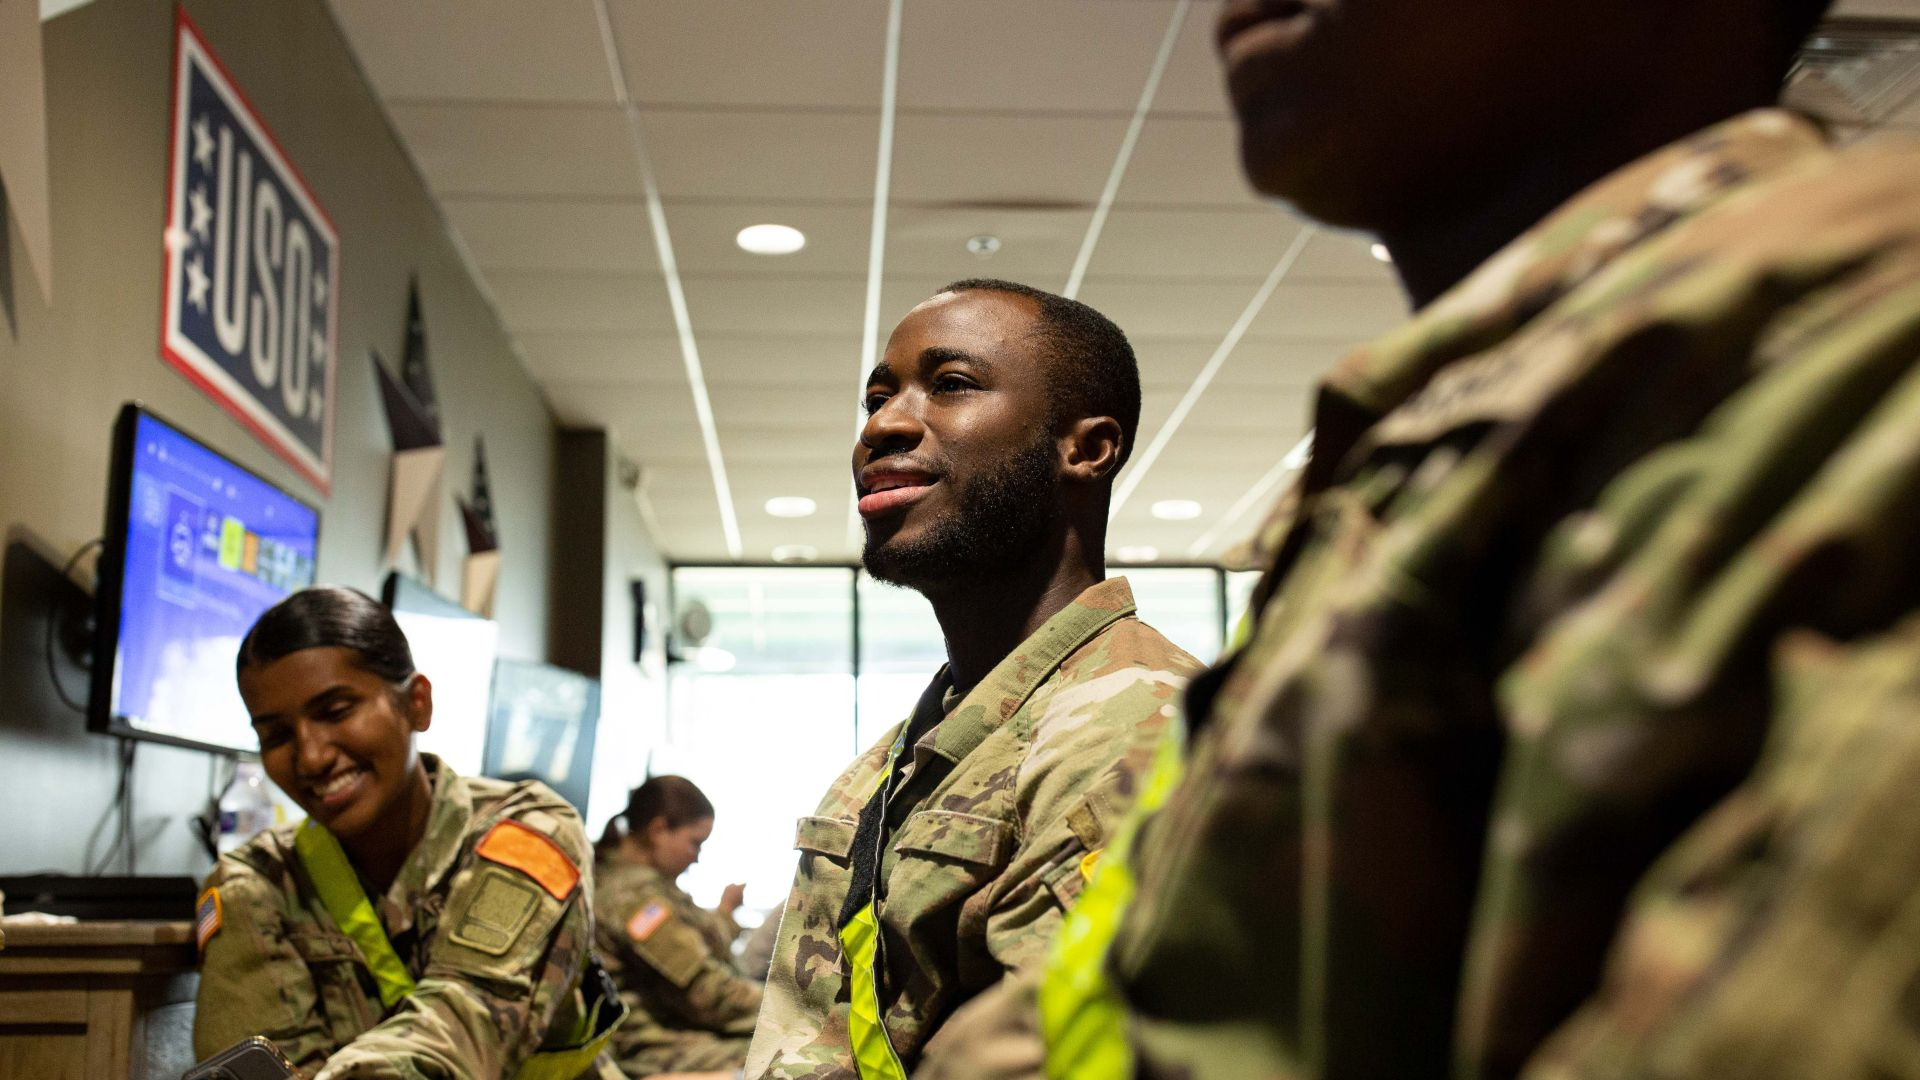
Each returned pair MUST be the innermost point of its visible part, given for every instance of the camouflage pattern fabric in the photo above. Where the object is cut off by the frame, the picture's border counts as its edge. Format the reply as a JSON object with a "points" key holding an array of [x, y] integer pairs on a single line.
{"points": [[690, 1008], [1552, 579], [496, 958], [985, 848]]}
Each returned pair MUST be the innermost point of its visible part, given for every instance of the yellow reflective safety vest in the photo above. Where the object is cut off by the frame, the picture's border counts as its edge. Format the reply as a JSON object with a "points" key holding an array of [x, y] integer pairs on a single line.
{"points": [[1082, 1019], [564, 1055], [1081, 1015], [873, 1054]]}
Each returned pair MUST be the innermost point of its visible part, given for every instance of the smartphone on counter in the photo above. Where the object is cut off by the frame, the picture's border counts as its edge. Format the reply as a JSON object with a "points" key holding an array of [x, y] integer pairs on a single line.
{"points": [[249, 1059]]}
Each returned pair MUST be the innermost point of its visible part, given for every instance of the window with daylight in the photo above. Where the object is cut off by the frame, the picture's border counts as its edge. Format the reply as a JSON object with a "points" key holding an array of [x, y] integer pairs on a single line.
{"points": [[806, 666]]}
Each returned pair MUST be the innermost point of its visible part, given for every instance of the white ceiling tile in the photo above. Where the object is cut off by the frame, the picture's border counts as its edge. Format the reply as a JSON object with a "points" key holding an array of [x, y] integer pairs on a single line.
{"points": [[1187, 309], [634, 411], [704, 237], [602, 357], [1187, 161], [1046, 160], [1193, 82], [1354, 313], [786, 304], [538, 234], [1037, 247], [1152, 242], [1342, 256], [480, 50], [520, 149], [676, 483], [825, 447], [753, 52], [778, 156], [810, 361], [1878, 9], [772, 403], [1029, 55], [532, 300]]}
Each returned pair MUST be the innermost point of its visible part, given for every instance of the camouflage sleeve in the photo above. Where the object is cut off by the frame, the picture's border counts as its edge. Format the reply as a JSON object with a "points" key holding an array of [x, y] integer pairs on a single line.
{"points": [[252, 979], [503, 965], [1777, 940], [802, 1028], [1093, 737], [673, 962]]}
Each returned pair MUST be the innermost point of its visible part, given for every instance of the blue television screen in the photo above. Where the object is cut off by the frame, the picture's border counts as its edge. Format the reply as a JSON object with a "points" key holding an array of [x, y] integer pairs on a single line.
{"points": [[197, 548]]}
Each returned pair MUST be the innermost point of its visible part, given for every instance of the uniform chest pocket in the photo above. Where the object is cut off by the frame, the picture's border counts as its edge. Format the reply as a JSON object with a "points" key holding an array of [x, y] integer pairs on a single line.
{"points": [[832, 837], [951, 835], [940, 859], [334, 961]]}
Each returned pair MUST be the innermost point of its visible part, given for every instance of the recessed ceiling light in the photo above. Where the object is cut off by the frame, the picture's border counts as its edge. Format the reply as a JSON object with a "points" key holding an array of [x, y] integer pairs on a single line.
{"points": [[1379, 251], [791, 506], [795, 553], [1175, 509], [1137, 553], [771, 239]]}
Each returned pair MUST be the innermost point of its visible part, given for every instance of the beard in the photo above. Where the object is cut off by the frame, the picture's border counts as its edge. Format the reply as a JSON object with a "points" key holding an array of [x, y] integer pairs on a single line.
{"points": [[1002, 518]]}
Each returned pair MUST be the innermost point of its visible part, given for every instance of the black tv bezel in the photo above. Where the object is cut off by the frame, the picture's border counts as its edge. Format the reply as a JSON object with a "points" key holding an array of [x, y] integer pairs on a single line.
{"points": [[110, 588]]}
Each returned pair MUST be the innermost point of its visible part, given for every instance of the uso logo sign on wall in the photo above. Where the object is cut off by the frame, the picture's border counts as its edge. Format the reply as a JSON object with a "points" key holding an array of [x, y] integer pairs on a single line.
{"points": [[253, 267]]}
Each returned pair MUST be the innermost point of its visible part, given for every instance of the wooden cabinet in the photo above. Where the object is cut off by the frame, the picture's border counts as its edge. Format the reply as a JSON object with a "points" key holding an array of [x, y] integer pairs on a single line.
{"points": [[97, 1001]]}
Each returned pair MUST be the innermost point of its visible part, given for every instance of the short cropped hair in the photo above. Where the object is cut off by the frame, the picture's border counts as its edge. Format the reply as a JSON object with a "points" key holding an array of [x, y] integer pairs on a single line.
{"points": [[1091, 366]]}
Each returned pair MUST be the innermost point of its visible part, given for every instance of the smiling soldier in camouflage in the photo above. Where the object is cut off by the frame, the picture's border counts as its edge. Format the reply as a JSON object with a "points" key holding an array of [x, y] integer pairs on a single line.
{"points": [[944, 857]]}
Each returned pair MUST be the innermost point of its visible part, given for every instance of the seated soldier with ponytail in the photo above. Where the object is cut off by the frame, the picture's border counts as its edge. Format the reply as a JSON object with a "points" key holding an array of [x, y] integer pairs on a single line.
{"points": [[690, 1009], [419, 924]]}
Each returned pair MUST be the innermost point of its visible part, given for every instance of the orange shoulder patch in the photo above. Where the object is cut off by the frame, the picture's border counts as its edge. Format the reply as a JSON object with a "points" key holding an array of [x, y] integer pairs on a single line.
{"points": [[532, 853]]}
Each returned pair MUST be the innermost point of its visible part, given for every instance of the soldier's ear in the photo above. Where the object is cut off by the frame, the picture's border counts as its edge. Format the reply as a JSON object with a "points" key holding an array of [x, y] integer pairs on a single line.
{"points": [[417, 694], [1090, 449]]}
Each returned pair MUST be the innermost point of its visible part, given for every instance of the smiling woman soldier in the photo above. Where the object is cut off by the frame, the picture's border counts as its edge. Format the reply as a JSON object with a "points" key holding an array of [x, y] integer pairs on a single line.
{"points": [[419, 923]]}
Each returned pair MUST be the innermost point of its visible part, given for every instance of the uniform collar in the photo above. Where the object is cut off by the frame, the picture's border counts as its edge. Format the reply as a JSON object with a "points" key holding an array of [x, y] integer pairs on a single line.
{"points": [[1568, 248], [1014, 679], [433, 858]]}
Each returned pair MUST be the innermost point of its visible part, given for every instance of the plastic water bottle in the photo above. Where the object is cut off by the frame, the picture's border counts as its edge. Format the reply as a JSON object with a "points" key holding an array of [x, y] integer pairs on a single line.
{"points": [[245, 808]]}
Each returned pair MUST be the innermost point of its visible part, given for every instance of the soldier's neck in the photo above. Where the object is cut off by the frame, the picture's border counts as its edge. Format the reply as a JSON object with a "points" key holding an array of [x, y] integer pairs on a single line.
{"points": [[1439, 242], [380, 856], [984, 621]]}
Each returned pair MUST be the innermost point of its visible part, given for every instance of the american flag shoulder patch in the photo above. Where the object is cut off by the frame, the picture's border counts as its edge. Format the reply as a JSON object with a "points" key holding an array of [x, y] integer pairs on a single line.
{"points": [[207, 916], [647, 920]]}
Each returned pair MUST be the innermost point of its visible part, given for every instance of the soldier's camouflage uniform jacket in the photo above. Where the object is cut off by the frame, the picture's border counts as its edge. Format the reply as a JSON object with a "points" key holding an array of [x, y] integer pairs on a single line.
{"points": [[985, 852], [689, 1007], [495, 954], [1577, 733]]}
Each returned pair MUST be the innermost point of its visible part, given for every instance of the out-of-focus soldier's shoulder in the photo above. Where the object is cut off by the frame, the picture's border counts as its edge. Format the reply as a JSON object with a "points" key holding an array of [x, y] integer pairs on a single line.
{"points": [[264, 862]]}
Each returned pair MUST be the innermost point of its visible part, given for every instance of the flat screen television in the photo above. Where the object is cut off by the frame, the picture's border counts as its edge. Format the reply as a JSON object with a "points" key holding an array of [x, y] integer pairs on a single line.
{"points": [[196, 547], [454, 649], [544, 722]]}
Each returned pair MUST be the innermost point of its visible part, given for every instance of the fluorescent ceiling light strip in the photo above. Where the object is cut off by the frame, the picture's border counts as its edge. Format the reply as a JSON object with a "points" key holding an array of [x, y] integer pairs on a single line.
{"points": [[877, 239], [1294, 460], [676, 296], [1120, 163], [1201, 381]]}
